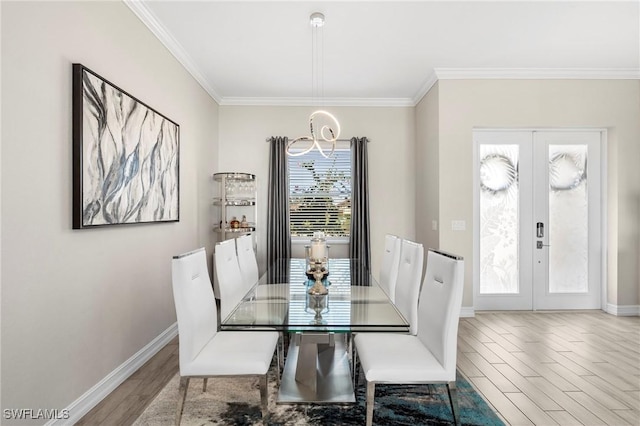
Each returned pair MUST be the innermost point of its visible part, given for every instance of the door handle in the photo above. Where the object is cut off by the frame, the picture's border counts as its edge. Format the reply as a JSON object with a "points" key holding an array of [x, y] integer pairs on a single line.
{"points": [[540, 234]]}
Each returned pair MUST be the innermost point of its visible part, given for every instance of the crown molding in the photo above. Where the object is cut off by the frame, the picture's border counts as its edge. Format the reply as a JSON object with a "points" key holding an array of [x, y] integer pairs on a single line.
{"points": [[525, 74], [329, 102], [432, 79], [176, 49], [538, 73], [449, 74]]}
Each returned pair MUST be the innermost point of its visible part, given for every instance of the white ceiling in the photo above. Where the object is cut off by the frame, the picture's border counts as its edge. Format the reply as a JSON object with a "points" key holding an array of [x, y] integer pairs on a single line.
{"points": [[390, 52]]}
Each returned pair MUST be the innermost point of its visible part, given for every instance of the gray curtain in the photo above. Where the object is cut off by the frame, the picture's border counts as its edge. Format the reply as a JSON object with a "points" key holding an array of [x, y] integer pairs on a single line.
{"points": [[359, 240], [278, 234]]}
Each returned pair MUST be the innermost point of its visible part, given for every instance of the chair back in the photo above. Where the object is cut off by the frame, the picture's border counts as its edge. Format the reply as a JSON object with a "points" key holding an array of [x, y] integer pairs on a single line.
{"points": [[389, 267], [440, 306], [247, 261], [195, 304], [408, 282], [230, 284]]}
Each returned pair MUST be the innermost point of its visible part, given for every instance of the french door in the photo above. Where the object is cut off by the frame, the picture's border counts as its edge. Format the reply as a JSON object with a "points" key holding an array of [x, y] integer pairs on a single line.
{"points": [[538, 220]]}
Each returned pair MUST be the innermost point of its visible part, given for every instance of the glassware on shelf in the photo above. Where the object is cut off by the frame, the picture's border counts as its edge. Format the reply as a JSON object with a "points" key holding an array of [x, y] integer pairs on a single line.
{"points": [[236, 191]]}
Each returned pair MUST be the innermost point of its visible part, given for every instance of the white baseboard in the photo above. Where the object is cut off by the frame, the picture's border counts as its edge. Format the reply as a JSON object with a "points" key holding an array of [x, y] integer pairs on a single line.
{"points": [[467, 312], [623, 310], [81, 406]]}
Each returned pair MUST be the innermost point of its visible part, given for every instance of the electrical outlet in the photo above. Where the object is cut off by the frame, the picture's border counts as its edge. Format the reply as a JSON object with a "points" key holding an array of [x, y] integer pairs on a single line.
{"points": [[434, 225]]}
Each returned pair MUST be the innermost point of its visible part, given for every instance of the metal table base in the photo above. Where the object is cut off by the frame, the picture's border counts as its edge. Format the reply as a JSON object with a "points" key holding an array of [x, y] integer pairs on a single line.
{"points": [[316, 371]]}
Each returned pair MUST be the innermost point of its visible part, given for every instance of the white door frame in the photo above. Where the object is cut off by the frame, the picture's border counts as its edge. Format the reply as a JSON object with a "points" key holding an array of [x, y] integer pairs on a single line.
{"points": [[603, 200]]}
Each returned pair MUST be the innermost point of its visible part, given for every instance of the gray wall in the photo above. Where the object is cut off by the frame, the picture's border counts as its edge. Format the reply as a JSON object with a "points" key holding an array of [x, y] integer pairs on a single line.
{"points": [[76, 304]]}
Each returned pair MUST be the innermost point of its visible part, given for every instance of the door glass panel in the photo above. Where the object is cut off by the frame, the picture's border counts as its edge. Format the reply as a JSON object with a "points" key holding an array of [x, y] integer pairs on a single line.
{"points": [[568, 214], [499, 196]]}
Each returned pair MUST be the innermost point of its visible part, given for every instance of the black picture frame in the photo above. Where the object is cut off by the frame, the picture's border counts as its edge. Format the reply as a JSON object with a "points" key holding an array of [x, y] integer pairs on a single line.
{"points": [[126, 157]]}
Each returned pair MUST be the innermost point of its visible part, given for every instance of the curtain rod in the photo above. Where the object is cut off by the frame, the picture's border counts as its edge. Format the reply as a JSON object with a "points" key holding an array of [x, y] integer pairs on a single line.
{"points": [[337, 140]]}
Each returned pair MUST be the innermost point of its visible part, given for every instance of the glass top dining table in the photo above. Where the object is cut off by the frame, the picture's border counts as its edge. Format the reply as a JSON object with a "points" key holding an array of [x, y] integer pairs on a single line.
{"points": [[280, 300], [318, 367]]}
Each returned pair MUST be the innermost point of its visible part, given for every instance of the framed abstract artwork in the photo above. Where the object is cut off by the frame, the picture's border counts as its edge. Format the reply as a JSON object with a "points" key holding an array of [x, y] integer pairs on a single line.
{"points": [[125, 157]]}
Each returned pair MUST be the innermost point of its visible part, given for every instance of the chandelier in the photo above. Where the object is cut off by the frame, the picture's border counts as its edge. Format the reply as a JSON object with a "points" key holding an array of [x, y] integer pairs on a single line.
{"points": [[329, 127]]}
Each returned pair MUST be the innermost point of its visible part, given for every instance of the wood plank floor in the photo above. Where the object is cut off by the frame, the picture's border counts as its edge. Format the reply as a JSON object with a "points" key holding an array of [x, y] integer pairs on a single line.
{"points": [[534, 368], [123, 406], [554, 368]]}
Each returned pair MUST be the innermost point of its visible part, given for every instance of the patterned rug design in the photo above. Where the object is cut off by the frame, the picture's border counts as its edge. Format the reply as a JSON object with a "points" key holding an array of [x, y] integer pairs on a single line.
{"points": [[236, 401]]}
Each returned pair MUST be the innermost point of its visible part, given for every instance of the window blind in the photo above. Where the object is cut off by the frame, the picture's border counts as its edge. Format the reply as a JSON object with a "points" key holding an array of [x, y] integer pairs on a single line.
{"points": [[320, 193]]}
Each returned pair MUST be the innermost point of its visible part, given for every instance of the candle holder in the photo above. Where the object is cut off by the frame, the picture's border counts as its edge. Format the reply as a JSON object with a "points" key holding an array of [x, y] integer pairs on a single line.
{"points": [[318, 288], [317, 254], [317, 259]]}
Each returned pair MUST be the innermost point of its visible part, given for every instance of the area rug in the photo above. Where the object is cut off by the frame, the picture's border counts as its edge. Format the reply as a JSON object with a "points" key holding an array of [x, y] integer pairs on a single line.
{"points": [[236, 401]]}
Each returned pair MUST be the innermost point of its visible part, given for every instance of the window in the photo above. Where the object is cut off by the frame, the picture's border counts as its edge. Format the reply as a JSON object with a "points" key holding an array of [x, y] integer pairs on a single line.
{"points": [[320, 193]]}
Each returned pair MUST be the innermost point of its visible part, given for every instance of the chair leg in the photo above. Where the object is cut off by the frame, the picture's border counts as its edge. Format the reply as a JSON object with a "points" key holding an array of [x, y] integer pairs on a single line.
{"points": [[354, 365], [182, 395], [371, 390], [278, 354], [282, 353], [204, 385], [264, 397], [356, 376], [286, 341], [453, 399]]}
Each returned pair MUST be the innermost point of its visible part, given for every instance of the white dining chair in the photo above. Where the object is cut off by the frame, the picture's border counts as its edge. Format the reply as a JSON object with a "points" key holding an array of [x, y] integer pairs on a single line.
{"points": [[235, 279], [247, 260], [203, 351], [407, 287], [430, 356], [231, 285], [389, 266]]}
